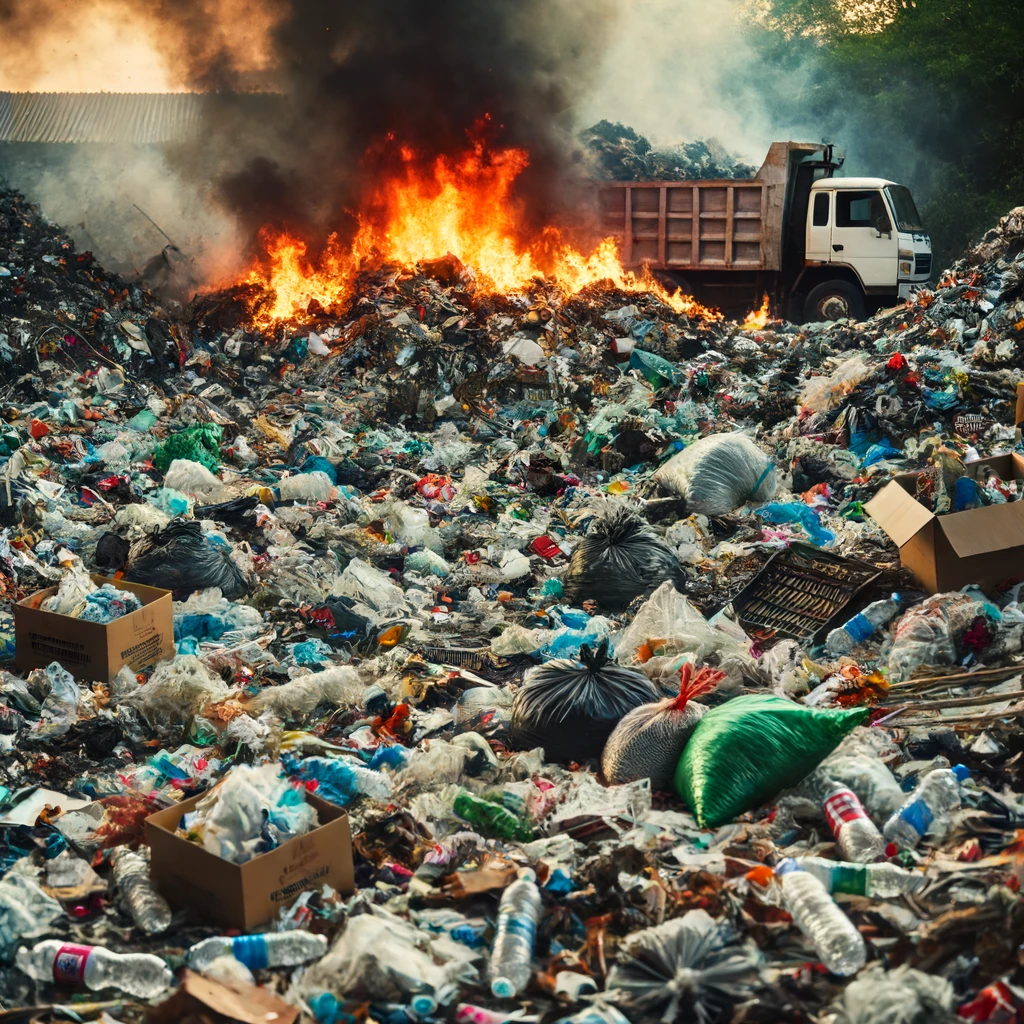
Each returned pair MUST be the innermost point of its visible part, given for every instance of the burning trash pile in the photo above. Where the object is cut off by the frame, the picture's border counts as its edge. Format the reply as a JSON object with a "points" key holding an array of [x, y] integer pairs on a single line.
{"points": [[482, 649]]}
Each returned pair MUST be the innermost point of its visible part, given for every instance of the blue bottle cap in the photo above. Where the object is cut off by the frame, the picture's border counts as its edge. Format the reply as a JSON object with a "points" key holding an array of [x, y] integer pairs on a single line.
{"points": [[961, 771]]}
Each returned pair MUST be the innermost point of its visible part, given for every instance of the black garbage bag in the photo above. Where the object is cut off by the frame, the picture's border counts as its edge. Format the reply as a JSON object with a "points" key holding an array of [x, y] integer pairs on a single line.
{"points": [[570, 707], [180, 558], [619, 559], [111, 552]]}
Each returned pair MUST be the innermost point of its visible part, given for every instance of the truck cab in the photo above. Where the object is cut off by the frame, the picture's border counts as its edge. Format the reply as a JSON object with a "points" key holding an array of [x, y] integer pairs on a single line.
{"points": [[865, 247]]}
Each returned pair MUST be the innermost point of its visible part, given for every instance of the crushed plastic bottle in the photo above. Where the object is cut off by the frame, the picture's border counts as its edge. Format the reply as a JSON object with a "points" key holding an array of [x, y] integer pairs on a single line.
{"points": [[855, 833], [271, 949], [94, 967], [862, 626], [491, 819], [936, 797], [148, 908], [509, 969], [882, 881], [827, 928]]}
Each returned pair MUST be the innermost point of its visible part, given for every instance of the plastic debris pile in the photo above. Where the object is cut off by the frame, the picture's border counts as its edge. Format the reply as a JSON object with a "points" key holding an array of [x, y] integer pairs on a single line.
{"points": [[502, 576]]}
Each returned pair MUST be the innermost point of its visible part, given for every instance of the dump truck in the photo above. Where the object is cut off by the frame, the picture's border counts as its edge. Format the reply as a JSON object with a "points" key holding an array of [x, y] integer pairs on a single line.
{"points": [[822, 247]]}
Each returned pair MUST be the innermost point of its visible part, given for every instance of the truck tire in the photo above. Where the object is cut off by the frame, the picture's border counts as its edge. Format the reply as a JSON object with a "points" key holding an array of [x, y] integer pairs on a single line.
{"points": [[834, 300]]}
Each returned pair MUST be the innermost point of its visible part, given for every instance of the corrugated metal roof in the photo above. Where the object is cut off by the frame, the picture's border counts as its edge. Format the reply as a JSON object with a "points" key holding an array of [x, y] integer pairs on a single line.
{"points": [[63, 117]]}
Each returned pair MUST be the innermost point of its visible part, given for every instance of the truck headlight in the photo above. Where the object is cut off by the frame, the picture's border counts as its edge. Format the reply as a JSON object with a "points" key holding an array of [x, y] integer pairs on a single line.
{"points": [[906, 268], [907, 254]]}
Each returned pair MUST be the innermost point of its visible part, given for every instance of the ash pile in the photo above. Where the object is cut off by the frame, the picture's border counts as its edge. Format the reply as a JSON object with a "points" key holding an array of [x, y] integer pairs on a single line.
{"points": [[507, 657]]}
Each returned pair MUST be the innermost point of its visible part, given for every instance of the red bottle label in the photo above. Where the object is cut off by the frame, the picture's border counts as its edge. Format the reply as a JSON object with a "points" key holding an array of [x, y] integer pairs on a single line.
{"points": [[840, 807], [69, 965]]}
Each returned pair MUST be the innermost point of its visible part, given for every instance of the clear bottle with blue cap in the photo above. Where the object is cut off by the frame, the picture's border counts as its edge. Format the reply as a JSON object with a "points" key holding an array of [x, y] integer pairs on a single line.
{"points": [[519, 912], [273, 949], [928, 808], [862, 626]]}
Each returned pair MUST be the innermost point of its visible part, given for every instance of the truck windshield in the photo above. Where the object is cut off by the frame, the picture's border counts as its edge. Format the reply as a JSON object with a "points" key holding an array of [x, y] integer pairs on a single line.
{"points": [[902, 203]]}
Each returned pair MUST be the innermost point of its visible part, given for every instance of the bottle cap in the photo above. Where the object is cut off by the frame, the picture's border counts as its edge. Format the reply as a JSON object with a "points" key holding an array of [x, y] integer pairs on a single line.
{"points": [[502, 988], [891, 849], [423, 1003], [961, 771]]}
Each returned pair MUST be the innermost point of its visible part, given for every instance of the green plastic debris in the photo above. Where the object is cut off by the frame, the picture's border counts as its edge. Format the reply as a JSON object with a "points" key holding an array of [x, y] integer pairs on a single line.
{"points": [[143, 420], [198, 444], [746, 751], [658, 371]]}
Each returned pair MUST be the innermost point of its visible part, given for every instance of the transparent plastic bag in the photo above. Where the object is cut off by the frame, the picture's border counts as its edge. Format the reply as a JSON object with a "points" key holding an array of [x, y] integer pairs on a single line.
{"points": [[75, 586], [718, 474], [339, 686], [176, 692], [191, 478], [929, 632], [900, 996], [667, 626]]}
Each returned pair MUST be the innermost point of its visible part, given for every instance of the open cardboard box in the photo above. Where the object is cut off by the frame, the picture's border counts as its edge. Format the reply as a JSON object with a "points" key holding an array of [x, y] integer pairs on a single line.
{"points": [[95, 651], [982, 545], [249, 895]]}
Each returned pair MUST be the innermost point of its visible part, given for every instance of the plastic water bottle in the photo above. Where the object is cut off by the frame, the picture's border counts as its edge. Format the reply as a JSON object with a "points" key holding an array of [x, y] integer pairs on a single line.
{"points": [[271, 949], [855, 833], [148, 908], [936, 797], [60, 963], [512, 953], [883, 881], [862, 626], [829, 930]]}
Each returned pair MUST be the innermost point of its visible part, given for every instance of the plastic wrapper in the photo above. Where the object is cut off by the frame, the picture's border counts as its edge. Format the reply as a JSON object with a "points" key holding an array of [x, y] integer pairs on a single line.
{"points": [[744, 752], [620, 558], [647, 743], [60, 699], [181, 559], [690, 968], [825, 392], [718, 474], [929, 633], [338, 686], [177, 691], [75, 586], [252, 811], [207, 615], [570, 707]]}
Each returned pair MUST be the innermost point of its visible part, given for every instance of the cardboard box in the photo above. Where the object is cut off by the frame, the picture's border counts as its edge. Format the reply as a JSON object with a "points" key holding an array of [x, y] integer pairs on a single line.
{"points": [[983, 545], [94, 651], [248, 896]]}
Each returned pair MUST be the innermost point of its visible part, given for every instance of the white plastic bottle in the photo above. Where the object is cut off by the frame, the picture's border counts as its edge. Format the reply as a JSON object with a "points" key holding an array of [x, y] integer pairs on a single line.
{"points": [[855, 833], [69, 966], [270, 949], [148, 908], [882, 881], [862, 626], [829, 930], [512, 953], [936, 797]]}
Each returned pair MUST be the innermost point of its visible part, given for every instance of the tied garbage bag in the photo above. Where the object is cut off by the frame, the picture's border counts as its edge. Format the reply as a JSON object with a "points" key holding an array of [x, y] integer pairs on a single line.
{"points": [[569, 708], [931, 632], [647, 743], [180, 558], [718, 474], [690, 968], [620, 558], [744, 752]]}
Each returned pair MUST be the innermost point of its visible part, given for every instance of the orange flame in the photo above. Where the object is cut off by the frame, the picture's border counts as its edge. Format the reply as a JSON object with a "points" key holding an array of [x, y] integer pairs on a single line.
{"points": [[757, 319], [462, 206]]}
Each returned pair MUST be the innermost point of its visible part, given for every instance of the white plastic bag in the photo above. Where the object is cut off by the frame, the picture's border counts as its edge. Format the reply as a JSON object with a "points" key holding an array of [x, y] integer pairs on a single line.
{"points": [[720, 473]]}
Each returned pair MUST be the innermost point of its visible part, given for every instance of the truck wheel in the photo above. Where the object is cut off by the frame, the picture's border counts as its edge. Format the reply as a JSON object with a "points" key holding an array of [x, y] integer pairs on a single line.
{"points": [[834, 300]]}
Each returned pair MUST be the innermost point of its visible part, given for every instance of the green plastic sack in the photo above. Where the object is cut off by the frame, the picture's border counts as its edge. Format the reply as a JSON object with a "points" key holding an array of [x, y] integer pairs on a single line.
{"points": [[744, 752], [199, 443]]}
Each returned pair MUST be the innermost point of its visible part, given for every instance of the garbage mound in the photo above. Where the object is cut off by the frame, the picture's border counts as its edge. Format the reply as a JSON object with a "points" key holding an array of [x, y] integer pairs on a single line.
{"points": [[424, 659]]}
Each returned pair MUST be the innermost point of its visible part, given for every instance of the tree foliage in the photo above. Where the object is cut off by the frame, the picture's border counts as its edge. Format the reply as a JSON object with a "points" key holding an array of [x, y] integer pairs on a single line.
{"points": [[945, 77]]}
